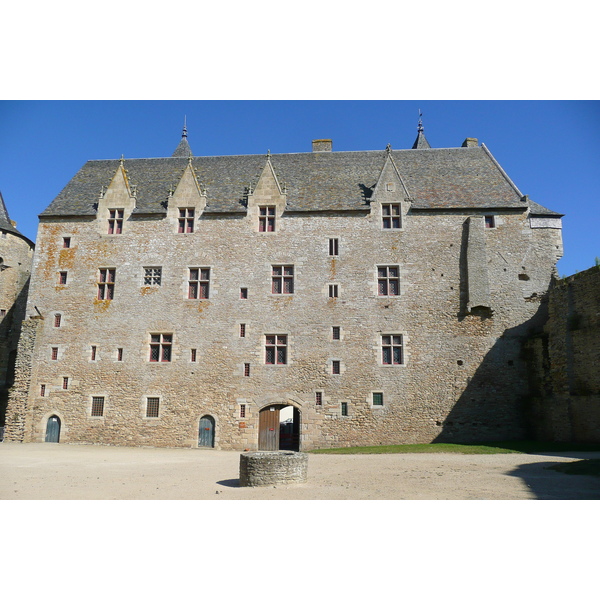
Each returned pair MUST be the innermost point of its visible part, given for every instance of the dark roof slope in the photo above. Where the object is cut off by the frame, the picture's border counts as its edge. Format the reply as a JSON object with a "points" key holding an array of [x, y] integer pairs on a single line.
{"points": [[436, 178]]}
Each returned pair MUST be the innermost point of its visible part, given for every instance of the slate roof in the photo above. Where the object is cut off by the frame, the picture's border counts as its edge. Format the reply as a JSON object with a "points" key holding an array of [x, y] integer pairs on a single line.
{"points": [[436, 178]]}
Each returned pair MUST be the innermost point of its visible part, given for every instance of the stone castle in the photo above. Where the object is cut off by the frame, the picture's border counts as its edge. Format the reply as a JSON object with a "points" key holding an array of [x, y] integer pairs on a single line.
{"points": [[284, 301]]}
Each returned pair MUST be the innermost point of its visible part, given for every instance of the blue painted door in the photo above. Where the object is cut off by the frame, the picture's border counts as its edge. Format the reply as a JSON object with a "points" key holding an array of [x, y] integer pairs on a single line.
{"points": [[53, 429], [206, 432]]}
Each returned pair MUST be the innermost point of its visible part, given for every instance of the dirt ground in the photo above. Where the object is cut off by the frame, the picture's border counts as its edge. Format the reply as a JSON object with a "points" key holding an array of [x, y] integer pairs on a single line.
{"points": [[79, 472]]}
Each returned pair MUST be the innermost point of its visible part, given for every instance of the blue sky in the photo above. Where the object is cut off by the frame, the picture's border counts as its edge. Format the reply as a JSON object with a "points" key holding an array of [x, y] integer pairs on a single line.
{"points": [[548, 148]]}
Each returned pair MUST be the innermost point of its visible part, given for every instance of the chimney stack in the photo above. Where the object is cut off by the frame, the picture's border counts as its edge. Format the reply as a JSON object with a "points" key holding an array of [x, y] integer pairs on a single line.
{"points": [[470, 143], [322, 146]]}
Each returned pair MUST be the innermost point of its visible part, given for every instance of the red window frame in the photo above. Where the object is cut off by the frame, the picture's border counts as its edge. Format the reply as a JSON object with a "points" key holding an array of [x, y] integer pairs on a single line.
{"points": [[319, 398], [65, 384], [57, 320], [276, 349], [246, 369], [97, 406], [106, 283], [186, 220], [282, 279], [198, 283], [115, 221], [55, 353], [161, 346], [266, 219]]}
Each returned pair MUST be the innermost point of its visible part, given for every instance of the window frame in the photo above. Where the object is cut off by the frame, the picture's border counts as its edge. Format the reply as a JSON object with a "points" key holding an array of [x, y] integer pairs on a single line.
{"points": [[187, 220], [334, 246], [388, 280], [391, 220], [267, 216], [152, 279], [116, 216], [282, 280], [94, 406], [199, 283], [152, 405], [106, 283], [161, 346], [276, 349], [392, 345]]}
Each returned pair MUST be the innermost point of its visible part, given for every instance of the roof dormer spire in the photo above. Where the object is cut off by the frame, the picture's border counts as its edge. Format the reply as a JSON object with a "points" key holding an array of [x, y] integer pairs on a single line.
{"points": [[421, 142], [184, 132]]}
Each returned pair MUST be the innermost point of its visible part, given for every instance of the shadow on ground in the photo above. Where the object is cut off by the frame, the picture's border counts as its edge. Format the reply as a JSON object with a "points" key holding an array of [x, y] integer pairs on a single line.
{"points": [[546, 483]]}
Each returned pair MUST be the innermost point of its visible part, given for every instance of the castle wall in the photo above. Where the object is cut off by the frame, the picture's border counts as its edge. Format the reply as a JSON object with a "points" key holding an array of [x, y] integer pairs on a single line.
{"points": [[462, 374], [565, 403]]}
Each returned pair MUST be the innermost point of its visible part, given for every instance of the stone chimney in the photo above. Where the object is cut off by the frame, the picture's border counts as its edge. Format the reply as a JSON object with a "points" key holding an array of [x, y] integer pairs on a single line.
{"points": [[322, 146], [470, 143]]}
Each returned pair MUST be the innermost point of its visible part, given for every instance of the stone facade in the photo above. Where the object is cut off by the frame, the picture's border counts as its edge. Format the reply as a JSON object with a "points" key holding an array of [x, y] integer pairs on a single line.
{"points": [[16, 256], [564, 358], [384, 295]]}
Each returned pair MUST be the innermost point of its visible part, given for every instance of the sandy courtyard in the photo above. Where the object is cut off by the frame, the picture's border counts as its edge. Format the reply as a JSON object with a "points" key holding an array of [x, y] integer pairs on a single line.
{"points": [[79, 472]]}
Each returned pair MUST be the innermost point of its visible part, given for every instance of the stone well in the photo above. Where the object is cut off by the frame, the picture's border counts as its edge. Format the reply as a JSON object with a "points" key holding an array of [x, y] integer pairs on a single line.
{"points": [[270, 468]]}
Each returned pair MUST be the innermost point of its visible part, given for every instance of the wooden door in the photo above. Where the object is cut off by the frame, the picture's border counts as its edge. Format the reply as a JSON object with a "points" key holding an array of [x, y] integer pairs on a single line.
{"points": [[268, 429], [53, 429], [206, 432]]}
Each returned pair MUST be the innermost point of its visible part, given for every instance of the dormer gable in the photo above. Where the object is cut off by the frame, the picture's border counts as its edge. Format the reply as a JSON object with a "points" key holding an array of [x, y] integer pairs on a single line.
{"points": [[267, 201], [116, 202], [187, 201], [390, 200]]}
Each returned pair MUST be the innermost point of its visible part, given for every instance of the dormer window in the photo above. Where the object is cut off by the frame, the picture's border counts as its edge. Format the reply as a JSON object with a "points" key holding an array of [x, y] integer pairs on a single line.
{"points": [[186, 220], [266, 218], [115, 221]]}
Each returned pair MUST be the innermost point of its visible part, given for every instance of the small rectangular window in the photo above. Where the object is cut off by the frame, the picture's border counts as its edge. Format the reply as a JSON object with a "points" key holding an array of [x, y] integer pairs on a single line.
{"points": [[43, 389], [193, 355], [276, 349], [152, 275], [198, 283], [283, 279], [335, 367], [115, 221], [377, 399], [119, 354], [242, 329], [152, 406], [57, 320], [391, 350], [243, 411], [334, 247], [186, 220], [93, 355], [244, 293], [490, 221], [266, 218], [62, 278], [391, 216], [388, 281], [106, 283], [98, 406], [344, 407], [335, 333], [66, 242], [65, 384], [55, 353], [160, 347], [333, 290], [319, 398], [246, 369]]}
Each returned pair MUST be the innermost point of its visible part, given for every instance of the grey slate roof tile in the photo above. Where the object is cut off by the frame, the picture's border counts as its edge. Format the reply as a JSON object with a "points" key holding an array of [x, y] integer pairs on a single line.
{"points": [[436, 178]]}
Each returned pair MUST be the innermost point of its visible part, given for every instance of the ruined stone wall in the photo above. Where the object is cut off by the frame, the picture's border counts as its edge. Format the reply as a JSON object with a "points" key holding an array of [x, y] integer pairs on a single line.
{"points": [[564, 360], [16, 255], [462, 377]]}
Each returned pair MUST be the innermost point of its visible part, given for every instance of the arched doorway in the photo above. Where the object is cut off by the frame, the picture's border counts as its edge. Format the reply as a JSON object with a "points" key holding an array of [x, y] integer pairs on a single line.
{"points": [[206, 432], [53, 429], [279, 428]]}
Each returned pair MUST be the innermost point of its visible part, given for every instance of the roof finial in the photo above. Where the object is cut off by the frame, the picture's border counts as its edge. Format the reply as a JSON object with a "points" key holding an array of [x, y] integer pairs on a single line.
{"points": [[184, 132], [420, 126]]}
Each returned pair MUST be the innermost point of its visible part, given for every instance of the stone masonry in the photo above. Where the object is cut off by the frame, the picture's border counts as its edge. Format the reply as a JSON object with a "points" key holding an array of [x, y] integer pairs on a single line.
{"points": [[385, 295]]}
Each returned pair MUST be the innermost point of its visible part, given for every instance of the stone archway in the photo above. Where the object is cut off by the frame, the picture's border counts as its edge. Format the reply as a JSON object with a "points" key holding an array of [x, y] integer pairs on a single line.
{"points": [[279, 428]]}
